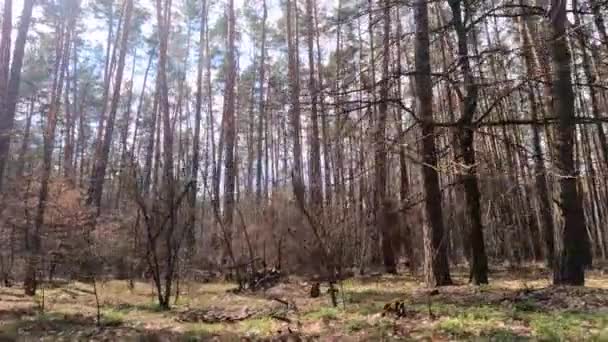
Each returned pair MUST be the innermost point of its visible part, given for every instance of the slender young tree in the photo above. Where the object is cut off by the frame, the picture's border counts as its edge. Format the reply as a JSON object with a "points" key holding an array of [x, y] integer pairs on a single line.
{"points": [[229, 122]]}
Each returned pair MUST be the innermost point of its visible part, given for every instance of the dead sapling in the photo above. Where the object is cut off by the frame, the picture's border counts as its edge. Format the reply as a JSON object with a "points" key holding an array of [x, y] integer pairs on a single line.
{"points": [[430, 295]]}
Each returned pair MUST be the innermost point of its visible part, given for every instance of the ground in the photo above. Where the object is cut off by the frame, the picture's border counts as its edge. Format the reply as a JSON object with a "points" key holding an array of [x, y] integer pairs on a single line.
{"points": [[518, 304]]}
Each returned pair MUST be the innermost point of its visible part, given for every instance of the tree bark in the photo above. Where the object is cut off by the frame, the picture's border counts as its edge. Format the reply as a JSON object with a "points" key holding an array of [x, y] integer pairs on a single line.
{"points": [[99, 171], [436, 267], [229, 124], [262, 107], [64, 42], [381, 174], [294, 99], [573, 254], [7, 110], [316, 180], [479, 262]]}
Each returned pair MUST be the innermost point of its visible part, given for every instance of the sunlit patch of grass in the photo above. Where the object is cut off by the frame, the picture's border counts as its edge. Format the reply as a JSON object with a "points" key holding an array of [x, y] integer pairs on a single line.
{"points": [[364, 308], [258, 326], [324, 313], [151, 306], [568, 325], [527, 305], [596, 281], [473, 321], [356, 325], [379, 331], [112, 318], [502, 334], [205, 328]]}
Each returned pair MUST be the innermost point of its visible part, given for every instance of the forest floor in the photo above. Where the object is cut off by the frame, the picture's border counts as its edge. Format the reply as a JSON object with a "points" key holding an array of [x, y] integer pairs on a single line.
{"points": [[518, 304]]}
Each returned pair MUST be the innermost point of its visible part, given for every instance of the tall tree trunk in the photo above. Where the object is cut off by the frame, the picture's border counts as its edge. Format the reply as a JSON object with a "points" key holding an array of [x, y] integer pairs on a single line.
{"points": [[479, 262], [229, 124], [25, 143], [168, 186], [68, 152], [539, 164], [197, 133], [573, 253], [7, 108], [436, 267], [294, 99], [324, 122], [99, 171], [262, 107], [5, 60], [33, 244], [316, 182], [149, 175], [381, 174]]}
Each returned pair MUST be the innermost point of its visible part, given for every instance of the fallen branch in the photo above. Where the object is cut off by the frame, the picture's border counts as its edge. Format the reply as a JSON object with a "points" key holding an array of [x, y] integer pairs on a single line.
{"points": [[280, 318]]}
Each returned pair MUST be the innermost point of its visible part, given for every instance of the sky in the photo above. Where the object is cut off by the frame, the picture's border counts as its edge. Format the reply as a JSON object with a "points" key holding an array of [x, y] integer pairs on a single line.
{"points": [[96, 31]]}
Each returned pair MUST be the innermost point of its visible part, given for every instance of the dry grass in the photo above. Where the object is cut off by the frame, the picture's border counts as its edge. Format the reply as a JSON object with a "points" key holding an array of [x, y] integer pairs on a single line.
{"points": [[509, 308]]}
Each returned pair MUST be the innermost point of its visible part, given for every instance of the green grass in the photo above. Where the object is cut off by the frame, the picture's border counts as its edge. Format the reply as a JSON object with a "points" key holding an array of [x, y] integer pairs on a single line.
{"points": [[460, 313], [151, 306], [257, 326], [492, 321], [356, 325], [480, 320], [112, 318], [324, 313], [203, 331], [568, 325]]}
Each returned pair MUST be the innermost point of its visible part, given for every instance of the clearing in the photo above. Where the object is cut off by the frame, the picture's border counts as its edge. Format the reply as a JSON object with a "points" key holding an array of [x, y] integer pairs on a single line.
{"points": [[511, 307]]}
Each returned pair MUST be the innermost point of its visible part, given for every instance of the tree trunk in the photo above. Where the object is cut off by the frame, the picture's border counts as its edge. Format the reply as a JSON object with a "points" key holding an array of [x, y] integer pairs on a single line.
{"points": [[7, 109], [539, 164], [30, 282], [381, 174], [573, 254], [294, 99], [316, 182], [262, 108], [229, 124], [479, 262], [99, 171], [436, 267], [25, 143]]}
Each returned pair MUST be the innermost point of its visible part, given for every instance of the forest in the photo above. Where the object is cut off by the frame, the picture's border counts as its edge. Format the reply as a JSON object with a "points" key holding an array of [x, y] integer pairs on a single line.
{"points": [[295, 170]]}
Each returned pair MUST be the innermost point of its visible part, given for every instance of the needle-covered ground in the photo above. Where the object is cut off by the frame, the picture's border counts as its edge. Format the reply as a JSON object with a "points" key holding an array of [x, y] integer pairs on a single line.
{"points": [[516, 305]]}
